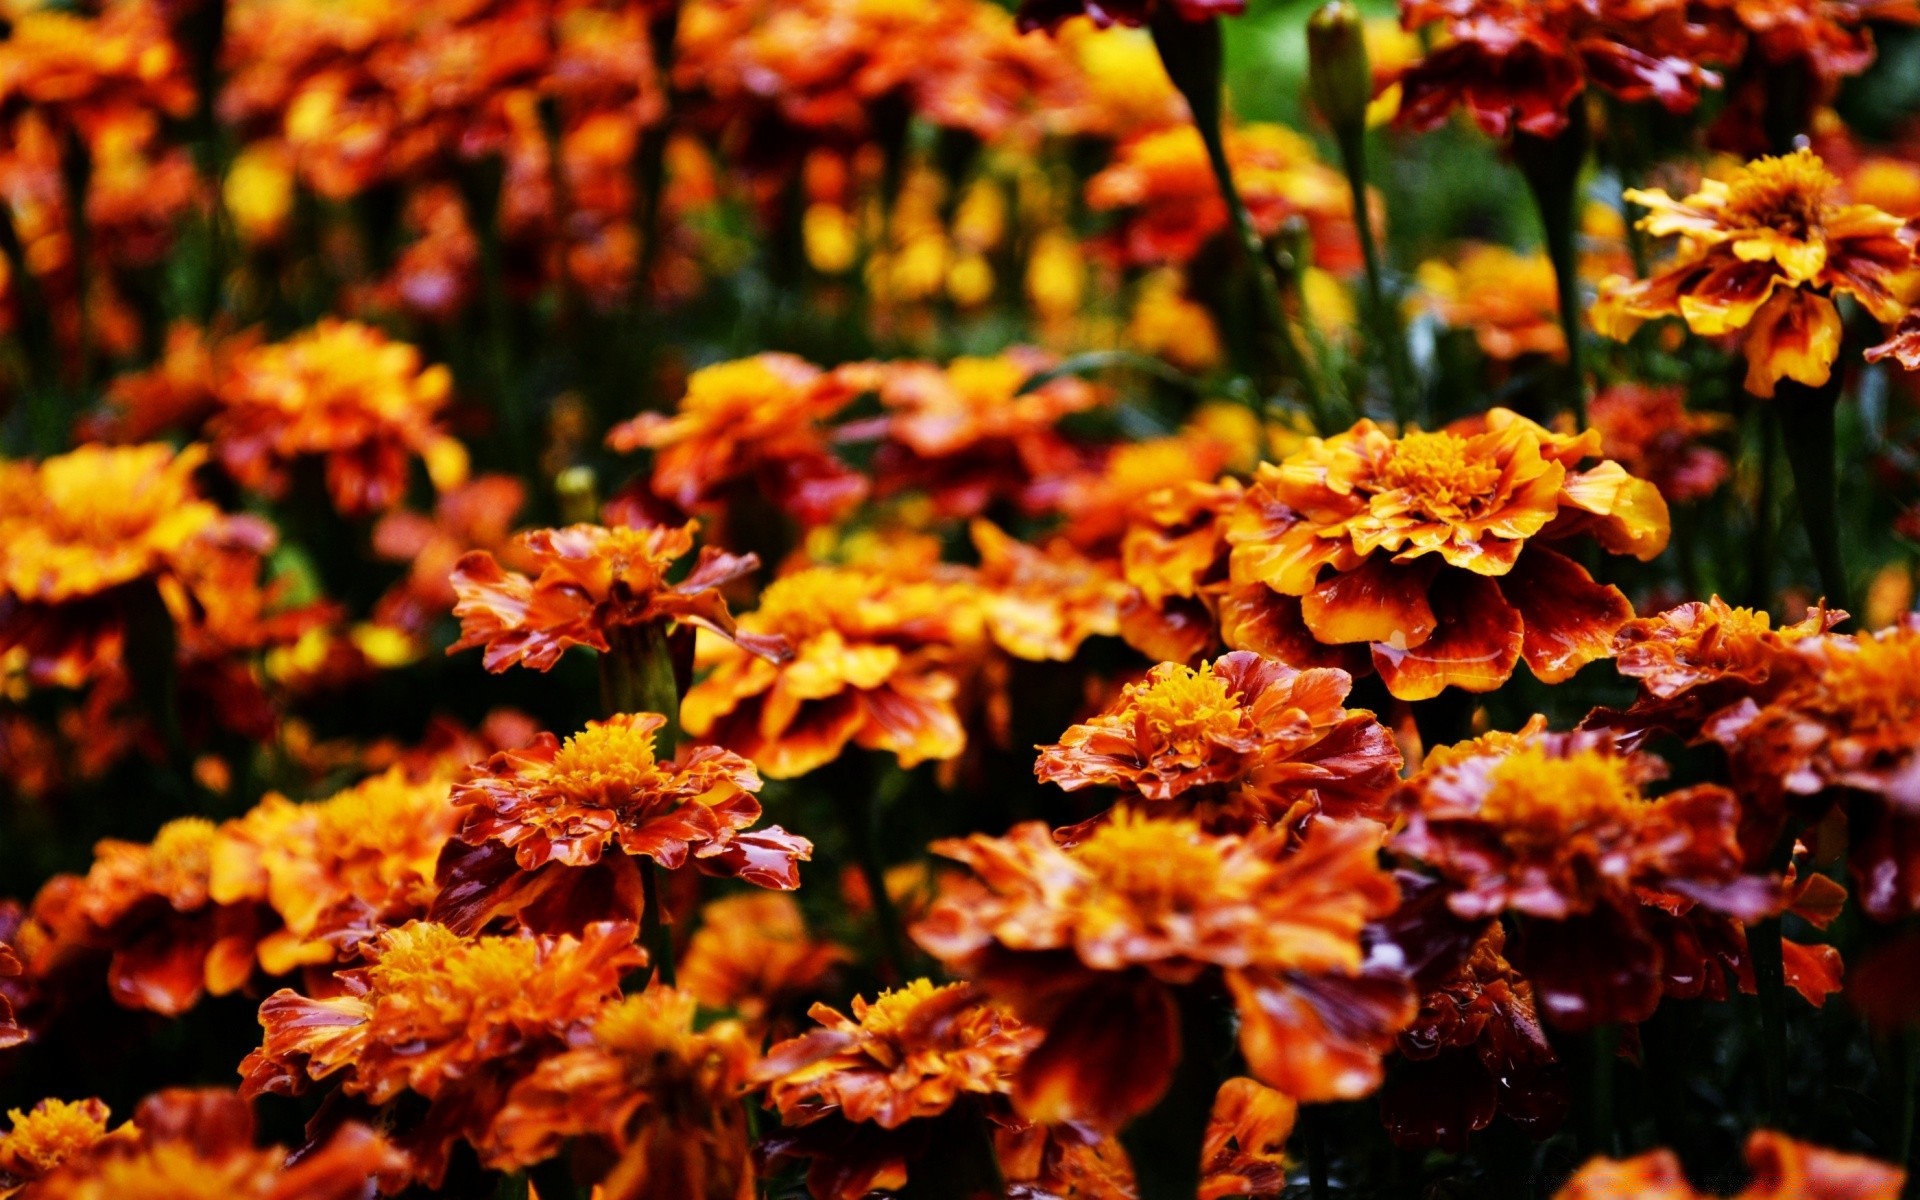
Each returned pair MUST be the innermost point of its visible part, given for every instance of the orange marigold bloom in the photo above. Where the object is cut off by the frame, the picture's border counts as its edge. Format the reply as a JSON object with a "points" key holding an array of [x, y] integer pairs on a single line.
{"points": [[1830, 38], [1509, 300], [1162, 183], [908, 1058], [477, 515], [1651, 432], [344, 393], [1041, 603], [199, 1145], [1781, 1169], [662, 1094], [1244, 1153], [966, 435], [85, 71], [98, 537], [1243, 741], [454, 1021], [873, 665], [149, 906], [592, 583], [1557, 827], [1089, 943], [1476, 1049], [760, 419], [54, 1133], [535, 817], [1763, 255], [1050, 14], [1174, 553], [1523, 64], [753, 955], [1434, 551]]}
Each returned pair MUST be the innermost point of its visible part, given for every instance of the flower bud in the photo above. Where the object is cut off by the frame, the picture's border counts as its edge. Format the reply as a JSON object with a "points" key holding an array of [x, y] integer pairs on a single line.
{"points": [[1337, 72]]}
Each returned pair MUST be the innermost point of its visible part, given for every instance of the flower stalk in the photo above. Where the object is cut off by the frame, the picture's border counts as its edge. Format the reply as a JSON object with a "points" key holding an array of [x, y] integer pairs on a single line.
{"points": [[1165, 1144], [1551, 167], [637, 676], [1806, 418]]}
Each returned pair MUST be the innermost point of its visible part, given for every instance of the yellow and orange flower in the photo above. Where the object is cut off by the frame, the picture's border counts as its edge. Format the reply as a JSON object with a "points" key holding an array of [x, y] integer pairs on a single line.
{"points": [[760, 420], [1509, 300], [103, 536], [592, 582], [1435, 552], [53, 1133], [1244, 741], [909, 1057], [1049, 14], [753, 955], [1041, 603], [661, 1093], [345, 394], [477, 515], [1653, 434], [1244, 1153], [874, 665], [454, 1021], [86, 71], [10, 1033], [1162, 184], [1781, 1169], [1175, 556], [536, 819], [1091, 942], [1763, 256], [1558, 828]]}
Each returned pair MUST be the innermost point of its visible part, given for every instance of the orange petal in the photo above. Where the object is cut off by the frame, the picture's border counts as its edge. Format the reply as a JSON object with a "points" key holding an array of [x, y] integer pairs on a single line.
{"points": [[1109, 1060], [1320, 1038], [1382, 601], [1475, 644], [1795, 336], [1570, 620]]}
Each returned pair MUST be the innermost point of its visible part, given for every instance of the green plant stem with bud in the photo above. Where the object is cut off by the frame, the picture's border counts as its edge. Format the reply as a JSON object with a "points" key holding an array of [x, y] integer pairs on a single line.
{"points": [[637, 676], [1552, 170]]}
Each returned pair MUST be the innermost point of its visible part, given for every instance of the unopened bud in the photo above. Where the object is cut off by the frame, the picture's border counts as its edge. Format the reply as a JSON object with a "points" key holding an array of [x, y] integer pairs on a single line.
{"points": [[1337, 70], [577, 491]]}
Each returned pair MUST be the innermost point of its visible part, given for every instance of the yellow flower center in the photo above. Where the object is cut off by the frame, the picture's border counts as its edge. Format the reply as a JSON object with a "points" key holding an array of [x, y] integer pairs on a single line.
{"points": [[1157, 865], [608, 760], [1184, 708], [1876, 686], [183, 849], [1791, 193], [1438, 474], [987, 381], [651, 1022], [53, 1133], [890, 1011], [1538, 800], [435, 971], [733, 391]]}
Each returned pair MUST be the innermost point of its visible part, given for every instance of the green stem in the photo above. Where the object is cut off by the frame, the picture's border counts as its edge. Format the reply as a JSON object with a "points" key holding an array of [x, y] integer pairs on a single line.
{"points": [[1165, 1144], [656, 931], [1603, 1047], [859, 810], [1760, 539], [1552, 170], [1770, 980], [637, 676], [1806, 418], [1386, 329]]}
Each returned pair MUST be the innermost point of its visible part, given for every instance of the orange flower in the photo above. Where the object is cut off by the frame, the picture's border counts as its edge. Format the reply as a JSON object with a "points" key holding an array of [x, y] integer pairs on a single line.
{"points": [[83, 71], [100, 537], [663, 1096], [1556, 827], [910, 1057], [1763, 257], [1651, 432], [1174, 553], [1243, 741], [1830, 38], [1041, 603], [873, 661], [753, 955], [1050, 14], [1100, 505], [199, 1145], [56, 1132], [759, 419], [1434, 552], [1476, 1049], [1162, 183], [477, 515], [592, 582], [1523, 64], [1509, 300], [344, 393], [1244, 1153], [536, 818], [10, 1033], [456, 1022], [1781, 1169], [1089, 942], [966, 435], [177, 393]]}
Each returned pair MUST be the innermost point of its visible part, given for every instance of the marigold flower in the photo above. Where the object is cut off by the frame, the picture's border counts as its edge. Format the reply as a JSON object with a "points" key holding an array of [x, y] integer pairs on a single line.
{"points": [[1476, 1049], [344, 393], [1174, 553], [592, 581], [1830, 38], [454, 1021], [1051, 14], [1088, 942], [1763, 256], [1244, 1153], [908, 1057], [1041, 603], [535, 818], [84, 71], [1651, 432], [873, 665], [661, 1094], [1523, 64], [1435, 551], [199, 1145], [95, 538], [55, 1132], [753, 955], [760, 419], [1163, 184], [477, 515], [1509, 300], [1781, 1169], [1243, 741], [1557, 827]]}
